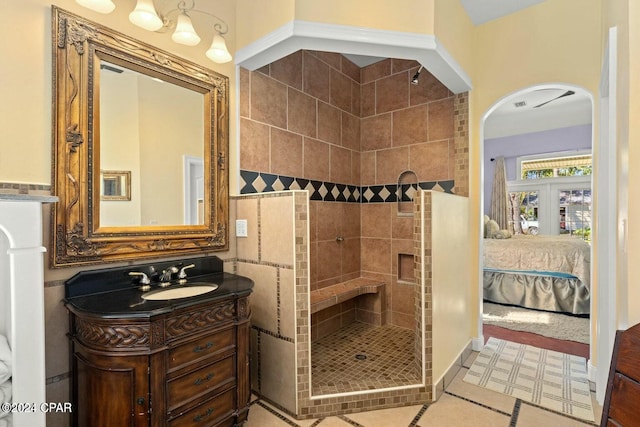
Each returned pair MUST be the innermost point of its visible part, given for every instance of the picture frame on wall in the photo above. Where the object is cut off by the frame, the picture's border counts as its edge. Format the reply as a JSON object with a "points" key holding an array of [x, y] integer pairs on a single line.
{"points": [[115, 185]]}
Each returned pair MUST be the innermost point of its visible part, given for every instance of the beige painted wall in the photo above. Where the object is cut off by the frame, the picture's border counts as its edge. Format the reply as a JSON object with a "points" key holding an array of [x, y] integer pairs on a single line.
{"points": [[119, 138], [412, 16], [451, 299], [171, 126], [454, 29], [259, 18]]}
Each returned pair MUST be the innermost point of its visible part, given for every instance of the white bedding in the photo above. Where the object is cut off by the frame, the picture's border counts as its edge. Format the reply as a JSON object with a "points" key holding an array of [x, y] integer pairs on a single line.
{"points": [[560, 254]]}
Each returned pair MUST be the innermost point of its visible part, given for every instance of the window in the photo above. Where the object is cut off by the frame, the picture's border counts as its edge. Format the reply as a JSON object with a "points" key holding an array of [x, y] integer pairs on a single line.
{"points": [[575, 212], [554, 165], [552, 194], [524, 211]]}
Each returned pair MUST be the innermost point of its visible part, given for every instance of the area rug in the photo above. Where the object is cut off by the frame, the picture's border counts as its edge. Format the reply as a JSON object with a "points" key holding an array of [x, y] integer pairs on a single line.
{"points": [[553, 325], [546, 378]]}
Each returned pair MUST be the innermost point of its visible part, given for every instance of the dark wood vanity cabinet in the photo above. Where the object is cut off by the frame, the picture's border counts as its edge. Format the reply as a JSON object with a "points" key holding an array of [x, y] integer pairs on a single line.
{"points": [[189, 367]]}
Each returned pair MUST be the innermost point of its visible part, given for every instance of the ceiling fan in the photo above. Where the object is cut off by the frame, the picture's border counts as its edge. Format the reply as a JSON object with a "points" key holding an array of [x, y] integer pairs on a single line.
{"points": [[567, 93]]}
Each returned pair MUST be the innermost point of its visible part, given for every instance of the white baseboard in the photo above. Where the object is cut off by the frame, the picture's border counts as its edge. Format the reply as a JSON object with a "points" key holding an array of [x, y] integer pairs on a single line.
{"points": [[592, 371], [477, 344]]}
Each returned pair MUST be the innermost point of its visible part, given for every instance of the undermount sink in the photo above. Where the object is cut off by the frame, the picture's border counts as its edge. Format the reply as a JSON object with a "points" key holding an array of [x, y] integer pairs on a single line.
{"points": [[182, 292]]}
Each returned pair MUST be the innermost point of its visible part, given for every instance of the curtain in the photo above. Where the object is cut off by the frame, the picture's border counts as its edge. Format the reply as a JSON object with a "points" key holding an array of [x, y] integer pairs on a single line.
{"points": [[499, 197]]}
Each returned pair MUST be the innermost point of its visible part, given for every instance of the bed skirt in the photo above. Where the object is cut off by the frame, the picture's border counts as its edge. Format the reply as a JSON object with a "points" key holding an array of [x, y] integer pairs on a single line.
{"points": [[543, 292]]}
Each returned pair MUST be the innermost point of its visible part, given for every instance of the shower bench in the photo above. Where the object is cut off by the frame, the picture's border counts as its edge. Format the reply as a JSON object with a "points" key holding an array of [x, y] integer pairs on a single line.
{"points": [[341, 292]]}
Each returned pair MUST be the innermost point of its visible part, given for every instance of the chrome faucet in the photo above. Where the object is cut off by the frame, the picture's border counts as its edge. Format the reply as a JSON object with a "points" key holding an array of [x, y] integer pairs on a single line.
{"points": [[144, 280], [182, 276], [165, 278]]}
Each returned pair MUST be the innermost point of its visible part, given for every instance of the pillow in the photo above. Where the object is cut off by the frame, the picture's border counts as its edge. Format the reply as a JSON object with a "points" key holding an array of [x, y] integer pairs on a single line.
{"points": [[484, 230], [501, 234], [491, 228]]}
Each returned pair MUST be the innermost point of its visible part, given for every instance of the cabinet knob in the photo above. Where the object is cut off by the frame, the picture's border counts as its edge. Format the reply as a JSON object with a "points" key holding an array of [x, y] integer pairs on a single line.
{"points": [[140, 401]]}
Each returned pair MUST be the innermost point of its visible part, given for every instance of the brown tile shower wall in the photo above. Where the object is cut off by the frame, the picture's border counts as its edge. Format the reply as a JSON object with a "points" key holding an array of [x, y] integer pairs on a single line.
{"points": [[316, 115], [300, 117], [335, 249], [404, 127], [329, 320]]}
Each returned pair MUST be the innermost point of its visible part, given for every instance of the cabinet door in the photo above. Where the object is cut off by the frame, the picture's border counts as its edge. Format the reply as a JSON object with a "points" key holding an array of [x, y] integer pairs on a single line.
{"points": [[111, 390]]}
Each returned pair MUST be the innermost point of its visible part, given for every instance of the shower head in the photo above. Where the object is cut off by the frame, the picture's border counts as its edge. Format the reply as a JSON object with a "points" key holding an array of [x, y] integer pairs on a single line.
{"points": [[414, 79]]}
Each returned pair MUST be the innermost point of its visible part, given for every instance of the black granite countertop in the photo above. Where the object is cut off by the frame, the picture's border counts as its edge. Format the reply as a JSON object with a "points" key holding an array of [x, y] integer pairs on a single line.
{"points": [[103, 293], [129, 302]]}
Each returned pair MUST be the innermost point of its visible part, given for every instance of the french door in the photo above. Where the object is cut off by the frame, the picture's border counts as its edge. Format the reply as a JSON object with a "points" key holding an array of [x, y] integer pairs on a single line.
{"points": [[551, 206]]}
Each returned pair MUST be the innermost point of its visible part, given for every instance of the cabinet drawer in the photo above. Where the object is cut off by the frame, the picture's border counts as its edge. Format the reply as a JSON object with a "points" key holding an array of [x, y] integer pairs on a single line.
{"points": [[208, 413], [194, 384], [201, 348]]}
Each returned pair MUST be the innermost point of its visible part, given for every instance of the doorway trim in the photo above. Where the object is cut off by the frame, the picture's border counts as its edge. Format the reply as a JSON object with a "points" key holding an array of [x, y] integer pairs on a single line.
{"points": [[607, 216], [191, 164]]}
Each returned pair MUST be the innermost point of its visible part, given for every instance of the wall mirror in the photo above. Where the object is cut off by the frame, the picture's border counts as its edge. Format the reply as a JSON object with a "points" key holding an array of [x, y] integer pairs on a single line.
{"points": [[148, 127]]}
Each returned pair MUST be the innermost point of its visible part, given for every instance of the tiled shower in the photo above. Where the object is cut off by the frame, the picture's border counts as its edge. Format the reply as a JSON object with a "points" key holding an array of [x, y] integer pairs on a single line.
{"points": [[315, 121]]}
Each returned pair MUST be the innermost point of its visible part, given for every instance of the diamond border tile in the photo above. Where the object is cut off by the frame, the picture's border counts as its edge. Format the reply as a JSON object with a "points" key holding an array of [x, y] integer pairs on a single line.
{"points": [[262, 182]]}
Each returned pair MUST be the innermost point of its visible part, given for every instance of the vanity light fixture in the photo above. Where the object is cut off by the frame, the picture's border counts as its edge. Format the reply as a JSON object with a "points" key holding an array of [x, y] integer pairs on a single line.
{"points": [[218, 51], [185, 33], [146, 16]]}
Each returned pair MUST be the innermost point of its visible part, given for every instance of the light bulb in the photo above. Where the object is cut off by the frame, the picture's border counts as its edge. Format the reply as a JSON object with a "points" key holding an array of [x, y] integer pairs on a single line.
{"points": [[185, 33], [101, 6], [218, 51], [145, 16]]}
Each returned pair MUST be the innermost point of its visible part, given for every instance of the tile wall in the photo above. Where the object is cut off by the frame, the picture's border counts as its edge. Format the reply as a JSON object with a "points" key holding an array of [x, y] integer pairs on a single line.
{"points": [[315, 121], [268, 256]]}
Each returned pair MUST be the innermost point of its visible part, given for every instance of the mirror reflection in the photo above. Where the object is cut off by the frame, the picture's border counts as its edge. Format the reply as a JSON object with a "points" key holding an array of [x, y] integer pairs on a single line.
{"points": [[141, 140], [154, 130]]}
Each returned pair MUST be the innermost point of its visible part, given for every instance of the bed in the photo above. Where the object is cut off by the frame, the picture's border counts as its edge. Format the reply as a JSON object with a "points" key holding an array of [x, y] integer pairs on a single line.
{"points": [[542, 272]]}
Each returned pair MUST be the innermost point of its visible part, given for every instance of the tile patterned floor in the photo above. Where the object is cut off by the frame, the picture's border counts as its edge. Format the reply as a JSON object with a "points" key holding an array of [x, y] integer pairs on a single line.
{"points": [[462, 405], [363, 357]]}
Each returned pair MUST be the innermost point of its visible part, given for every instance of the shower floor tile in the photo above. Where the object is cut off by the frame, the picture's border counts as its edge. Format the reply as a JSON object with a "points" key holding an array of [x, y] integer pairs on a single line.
{"points": [[363, 357]]}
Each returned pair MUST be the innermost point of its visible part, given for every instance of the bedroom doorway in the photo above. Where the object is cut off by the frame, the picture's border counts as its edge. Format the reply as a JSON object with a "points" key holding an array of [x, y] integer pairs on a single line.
{"points": [[538, 124]]}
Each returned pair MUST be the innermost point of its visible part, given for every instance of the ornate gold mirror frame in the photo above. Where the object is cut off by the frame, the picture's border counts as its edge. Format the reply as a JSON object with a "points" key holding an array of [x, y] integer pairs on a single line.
{"points": [[79, 46]]}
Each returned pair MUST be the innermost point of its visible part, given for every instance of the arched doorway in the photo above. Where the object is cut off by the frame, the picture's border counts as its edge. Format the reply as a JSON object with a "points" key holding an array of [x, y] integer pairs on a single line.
{"points": [[539, 121]]}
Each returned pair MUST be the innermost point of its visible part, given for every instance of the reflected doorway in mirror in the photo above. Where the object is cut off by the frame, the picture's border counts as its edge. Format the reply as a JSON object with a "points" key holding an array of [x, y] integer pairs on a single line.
{"points": [[193, 169]]}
